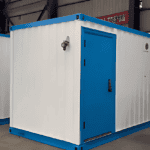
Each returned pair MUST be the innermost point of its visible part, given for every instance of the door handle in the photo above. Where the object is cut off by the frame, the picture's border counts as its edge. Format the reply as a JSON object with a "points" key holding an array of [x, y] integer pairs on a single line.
{"points": [[109, 86]]}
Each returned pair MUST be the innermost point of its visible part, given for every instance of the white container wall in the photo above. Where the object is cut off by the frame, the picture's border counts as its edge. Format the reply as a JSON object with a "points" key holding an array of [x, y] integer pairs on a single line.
{"points": [[132, 87], [4, 76], [45, 80]]}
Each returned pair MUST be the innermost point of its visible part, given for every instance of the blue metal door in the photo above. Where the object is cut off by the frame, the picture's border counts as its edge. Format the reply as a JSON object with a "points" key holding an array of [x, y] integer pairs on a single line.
{"points": [[98, 60]]}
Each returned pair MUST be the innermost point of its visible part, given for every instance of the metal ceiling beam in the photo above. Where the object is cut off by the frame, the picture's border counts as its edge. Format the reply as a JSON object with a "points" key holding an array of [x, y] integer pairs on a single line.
{"points": [[143, 9], [5, 12], [74, 3], [52, 6], [134, 14], [42, 13], [2, 17], [7, 17]]}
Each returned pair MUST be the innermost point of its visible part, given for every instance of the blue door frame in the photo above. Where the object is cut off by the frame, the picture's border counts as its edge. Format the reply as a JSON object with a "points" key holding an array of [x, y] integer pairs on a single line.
{"points": [[84, 31]]}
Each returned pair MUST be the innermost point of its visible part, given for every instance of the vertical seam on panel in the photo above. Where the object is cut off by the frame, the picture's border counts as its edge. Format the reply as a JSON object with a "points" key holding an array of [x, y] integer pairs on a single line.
{"points": [[55, 27], [73, 90], [12, 73], [115, 77], [143, 86], [80, 100], [147, 93], [65, 93]]}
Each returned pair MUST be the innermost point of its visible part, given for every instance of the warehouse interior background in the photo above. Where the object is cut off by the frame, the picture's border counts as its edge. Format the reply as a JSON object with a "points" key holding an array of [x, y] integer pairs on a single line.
{"points": [[15, 12], [128, 13]]}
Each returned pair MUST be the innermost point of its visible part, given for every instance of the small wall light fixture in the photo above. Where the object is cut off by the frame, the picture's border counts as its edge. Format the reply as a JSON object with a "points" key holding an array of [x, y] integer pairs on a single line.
{"points": [[146, 46], [65, 43]]}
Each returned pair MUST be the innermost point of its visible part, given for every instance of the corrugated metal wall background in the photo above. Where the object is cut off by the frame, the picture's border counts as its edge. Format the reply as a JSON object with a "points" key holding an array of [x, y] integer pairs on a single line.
{"points": [[4, 77], [144, 16], [94, 8], [26, 11]]}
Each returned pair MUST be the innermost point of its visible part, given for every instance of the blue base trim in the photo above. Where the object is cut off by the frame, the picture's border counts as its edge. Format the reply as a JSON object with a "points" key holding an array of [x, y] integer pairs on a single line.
{"points": [[115, 136], [80, 17], [4, 121], [42, 139], [70, 146], [5, 35]]}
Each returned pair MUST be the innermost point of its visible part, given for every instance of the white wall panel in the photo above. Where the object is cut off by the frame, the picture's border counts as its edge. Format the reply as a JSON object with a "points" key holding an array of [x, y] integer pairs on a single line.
{"points": [[146, 88], [131, 96], [11, 76], [48, 101], [4, 77], [148, 92]]}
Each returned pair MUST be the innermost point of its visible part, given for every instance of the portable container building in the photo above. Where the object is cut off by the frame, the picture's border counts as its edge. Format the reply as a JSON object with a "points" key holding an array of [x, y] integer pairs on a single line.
{"points": [[4, 79], [78, 82]]}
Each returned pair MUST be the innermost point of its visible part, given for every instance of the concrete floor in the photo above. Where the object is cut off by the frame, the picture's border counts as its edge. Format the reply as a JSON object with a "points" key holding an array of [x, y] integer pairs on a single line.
{"points": [[137, 141]]}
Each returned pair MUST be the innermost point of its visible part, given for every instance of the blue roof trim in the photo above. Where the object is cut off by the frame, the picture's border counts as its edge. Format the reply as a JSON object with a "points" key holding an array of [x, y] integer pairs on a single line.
{"points": [[5, 35], [112, 25], [45, 22], [81, 17]]}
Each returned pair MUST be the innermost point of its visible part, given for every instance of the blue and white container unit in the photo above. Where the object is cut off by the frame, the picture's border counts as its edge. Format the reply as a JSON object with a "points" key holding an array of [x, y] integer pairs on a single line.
{"points": [[78, 82], [4, 79]]}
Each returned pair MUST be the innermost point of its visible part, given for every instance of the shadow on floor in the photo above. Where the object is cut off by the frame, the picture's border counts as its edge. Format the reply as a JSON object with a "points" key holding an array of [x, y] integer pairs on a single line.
{"points": [[137, 141]]}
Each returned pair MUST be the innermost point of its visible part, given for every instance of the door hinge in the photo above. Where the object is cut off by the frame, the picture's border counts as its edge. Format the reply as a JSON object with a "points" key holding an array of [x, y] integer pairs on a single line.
{"points": [[84, 43], [83, 125], [84, 62], [80, 91]]}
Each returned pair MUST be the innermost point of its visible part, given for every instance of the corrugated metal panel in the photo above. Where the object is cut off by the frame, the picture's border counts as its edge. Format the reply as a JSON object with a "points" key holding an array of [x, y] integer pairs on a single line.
{"points": [[98, 8], [85, 8], [145, 4], [63, 2], [22, 3], [48, 101], [4, 77], [144, 20], [132, 88], [26, 9], [18, 9], [107, 7], [94, 8], [28, 18], [66, 10]]}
